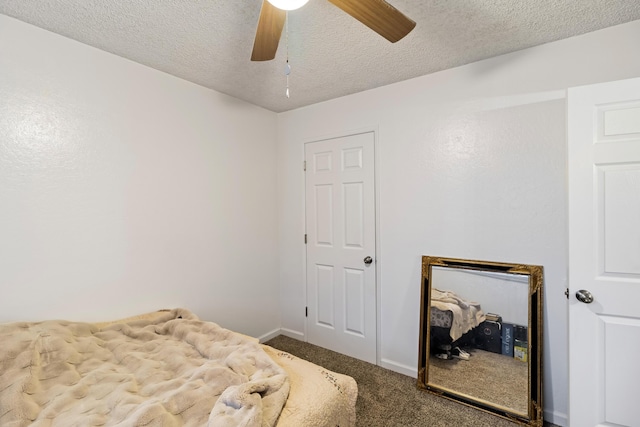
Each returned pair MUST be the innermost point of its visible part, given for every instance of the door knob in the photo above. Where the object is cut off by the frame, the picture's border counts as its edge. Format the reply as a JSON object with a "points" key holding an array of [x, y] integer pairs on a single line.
{"points": [[584, 296], [368, 260]]}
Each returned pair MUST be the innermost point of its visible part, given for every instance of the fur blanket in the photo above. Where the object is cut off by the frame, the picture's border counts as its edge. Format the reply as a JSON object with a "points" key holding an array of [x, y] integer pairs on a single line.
{"points": [[171, 370]]}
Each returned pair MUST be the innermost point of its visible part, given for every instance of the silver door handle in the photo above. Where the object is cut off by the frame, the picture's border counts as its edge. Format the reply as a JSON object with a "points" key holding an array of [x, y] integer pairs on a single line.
{"points": [[584, 296], [368, 260]]}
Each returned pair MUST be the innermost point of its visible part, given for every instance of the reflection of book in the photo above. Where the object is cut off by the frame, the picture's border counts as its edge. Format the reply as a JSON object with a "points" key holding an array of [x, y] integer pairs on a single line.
{"points": [[507, 339], [520, 350]]}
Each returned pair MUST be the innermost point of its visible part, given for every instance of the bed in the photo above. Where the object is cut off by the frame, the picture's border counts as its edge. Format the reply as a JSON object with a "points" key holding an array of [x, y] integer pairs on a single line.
{"points": [[452, 321], [166, 368]]}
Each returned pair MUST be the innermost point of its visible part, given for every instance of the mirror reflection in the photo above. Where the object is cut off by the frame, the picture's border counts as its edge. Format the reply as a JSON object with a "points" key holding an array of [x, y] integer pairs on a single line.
{"points": [[475, 317], [478, 339]]}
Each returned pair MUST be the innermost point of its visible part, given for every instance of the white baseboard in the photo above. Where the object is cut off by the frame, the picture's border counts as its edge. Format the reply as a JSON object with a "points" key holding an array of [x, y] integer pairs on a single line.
{"points": [[281, 331], [269, 335], [399, 368], [293, 334], [557, 418]]}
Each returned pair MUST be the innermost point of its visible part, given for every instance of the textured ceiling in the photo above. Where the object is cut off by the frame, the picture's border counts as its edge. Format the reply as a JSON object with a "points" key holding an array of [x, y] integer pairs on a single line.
{"points": [[209, 42]]}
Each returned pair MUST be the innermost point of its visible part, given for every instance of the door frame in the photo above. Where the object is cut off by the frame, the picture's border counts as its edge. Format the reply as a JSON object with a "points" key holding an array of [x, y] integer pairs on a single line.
{"points": [[376, 193]]}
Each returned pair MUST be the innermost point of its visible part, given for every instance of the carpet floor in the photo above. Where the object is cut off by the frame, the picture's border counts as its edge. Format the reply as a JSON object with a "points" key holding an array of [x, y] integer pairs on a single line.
{"points": [[487, 376], [390, 399]]}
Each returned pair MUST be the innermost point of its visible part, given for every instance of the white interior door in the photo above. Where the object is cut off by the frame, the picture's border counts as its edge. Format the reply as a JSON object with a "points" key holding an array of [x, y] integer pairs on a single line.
{"points": [[340, 222], [604, 254]]}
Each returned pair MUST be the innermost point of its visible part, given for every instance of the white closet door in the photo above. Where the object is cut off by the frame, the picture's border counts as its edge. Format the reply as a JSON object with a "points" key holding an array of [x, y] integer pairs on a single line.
{"points": [[340, 222]]}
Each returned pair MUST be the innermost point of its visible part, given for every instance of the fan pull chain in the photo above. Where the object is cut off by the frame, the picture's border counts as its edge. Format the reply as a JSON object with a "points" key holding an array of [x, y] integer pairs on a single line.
{"points": [[287, 68], [287, 71]]}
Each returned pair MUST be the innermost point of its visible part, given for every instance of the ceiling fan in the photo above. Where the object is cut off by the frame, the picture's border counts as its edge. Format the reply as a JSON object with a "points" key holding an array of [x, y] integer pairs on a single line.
{"points": [[378, 15]]}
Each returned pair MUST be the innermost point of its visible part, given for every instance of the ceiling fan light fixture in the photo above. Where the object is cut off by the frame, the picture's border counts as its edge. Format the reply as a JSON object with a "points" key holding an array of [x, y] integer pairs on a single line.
{"points": [[288, 4]]}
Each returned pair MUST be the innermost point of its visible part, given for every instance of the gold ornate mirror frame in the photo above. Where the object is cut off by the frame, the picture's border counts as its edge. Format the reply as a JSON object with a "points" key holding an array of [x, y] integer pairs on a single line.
{"points": [[492, 337]]}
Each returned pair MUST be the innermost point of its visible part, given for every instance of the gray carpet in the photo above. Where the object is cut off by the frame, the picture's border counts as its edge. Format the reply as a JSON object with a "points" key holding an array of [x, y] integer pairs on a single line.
{"points": [[388, 399]]}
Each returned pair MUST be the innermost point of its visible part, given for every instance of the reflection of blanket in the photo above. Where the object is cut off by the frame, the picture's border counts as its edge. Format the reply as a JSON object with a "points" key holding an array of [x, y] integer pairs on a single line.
{"points": [[171, 371], [466, 315]]}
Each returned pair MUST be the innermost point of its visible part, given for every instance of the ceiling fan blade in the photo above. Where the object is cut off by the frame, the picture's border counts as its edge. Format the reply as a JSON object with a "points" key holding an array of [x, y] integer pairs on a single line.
{"points": [[378, 15], [268, 32]]}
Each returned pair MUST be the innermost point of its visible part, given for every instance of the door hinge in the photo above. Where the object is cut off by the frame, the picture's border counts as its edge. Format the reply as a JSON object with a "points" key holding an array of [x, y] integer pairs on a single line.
{"points": [[566, 292], [305, 239], [306, 312], [304, 166]]}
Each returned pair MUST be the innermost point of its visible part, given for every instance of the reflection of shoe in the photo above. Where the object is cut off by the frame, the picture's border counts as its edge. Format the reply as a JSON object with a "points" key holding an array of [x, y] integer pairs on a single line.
{"points": [[444, 356], [460, 354]]}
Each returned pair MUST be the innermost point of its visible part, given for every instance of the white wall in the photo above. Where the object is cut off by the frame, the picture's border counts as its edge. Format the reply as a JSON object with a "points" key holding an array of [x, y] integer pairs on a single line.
{"points": [[125, 190], [504, 294], [471, 164]]}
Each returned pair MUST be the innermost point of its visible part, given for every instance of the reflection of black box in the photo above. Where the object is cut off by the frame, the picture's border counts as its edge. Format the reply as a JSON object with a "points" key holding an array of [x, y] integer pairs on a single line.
{"points": [[520, 333], [489, 334]]}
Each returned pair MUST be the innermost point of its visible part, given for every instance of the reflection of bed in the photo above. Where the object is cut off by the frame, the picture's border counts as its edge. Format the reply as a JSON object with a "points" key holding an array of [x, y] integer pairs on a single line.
{"points": [[165, 368], [452, 318]]}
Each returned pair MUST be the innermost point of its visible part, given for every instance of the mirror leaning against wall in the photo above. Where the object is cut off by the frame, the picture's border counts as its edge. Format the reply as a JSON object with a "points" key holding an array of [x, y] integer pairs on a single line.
{"points": [[481, 335]]}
